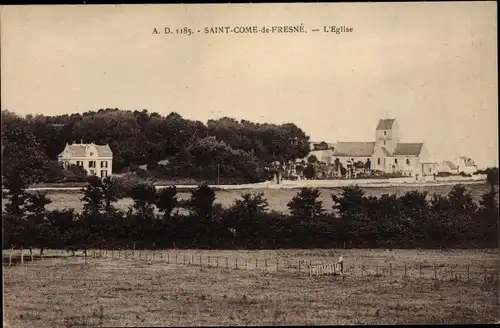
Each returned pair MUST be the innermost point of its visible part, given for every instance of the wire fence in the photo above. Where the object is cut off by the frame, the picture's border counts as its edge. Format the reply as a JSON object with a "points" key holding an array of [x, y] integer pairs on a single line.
{"points": [[298, 266]]}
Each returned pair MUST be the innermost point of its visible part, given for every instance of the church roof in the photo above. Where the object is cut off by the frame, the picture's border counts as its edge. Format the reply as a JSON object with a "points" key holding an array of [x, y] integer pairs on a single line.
{"points": [[408, 149], [385, 124], [354, 149], [78, 150]]}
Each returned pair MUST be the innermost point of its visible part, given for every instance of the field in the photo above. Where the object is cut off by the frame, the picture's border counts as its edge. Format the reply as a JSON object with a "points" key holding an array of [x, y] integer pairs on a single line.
{"points": [[149, 288], [277, 198]]}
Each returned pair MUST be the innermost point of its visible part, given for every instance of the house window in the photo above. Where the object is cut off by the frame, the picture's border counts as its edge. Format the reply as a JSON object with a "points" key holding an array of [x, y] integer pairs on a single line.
{"points": [[395, 161], [79, 163], [92, 164], [407, 161], [385, 133], [104, 164], [104, 173], [378, 161]]}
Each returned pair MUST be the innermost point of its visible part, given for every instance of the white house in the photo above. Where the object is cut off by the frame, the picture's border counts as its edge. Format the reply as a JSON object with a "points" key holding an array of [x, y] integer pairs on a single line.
{"points": [[465, 164], [95, 159]]}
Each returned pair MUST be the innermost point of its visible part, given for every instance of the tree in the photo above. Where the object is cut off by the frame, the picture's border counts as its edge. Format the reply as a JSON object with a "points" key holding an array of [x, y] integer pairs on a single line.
{"points": [[202, 201], [306, 204], [93, 197], [249, 221], [309, 172], [489, 217], [492, 176], [110, 194], [167, 201], [37, 231], [144, 196], [23, 156], [312, 159]]}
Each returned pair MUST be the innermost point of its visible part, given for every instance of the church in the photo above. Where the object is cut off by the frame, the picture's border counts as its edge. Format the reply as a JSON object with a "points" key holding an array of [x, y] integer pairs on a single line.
{"points": [[387, 153]]}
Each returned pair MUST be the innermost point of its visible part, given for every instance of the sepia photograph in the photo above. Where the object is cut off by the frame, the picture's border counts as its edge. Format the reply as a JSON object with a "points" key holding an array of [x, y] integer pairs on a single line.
{"points": [[249, 164]]}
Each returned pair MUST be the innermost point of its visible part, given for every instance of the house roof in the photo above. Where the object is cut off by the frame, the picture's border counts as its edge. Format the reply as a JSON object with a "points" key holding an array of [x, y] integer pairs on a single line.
{"points": [[467, 161], [450, 165], [385, 124], [78, 150], [354, 149], [408, 149]]}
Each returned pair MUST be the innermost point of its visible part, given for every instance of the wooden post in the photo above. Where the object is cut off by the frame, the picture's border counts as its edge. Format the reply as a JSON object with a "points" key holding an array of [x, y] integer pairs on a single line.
{"points": [[435, 272], [246, 263], [376, 269], [133, 249], [256, 263], [265, 264], [217, 261], [405, 269], [299, 265], [289, 265], [161, 256], [200, 260], [451, 272], [10, 258], [226, 263], [485, 280], [208, 262], [22, 256], [468, 274], [112, 254], [236, 263], [420, 271], [390, 269], [277, 264], [168, 258], [184, 259], [176, 258], [140, 253], [153, 256]]}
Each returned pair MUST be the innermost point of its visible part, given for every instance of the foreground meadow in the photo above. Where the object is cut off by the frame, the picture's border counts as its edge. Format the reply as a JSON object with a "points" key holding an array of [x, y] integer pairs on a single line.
{"points": [[147, 291], [277, 198]]}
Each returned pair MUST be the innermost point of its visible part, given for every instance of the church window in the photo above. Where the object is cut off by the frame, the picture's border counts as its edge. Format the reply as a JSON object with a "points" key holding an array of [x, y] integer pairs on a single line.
{"points": [[385, 133], [407, 161], [395, 161], [378, 161]]}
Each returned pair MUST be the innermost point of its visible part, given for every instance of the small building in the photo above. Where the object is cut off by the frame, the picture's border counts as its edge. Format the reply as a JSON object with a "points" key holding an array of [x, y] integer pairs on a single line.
{"points": [[95, 159], [448, 167], [466, 165]]}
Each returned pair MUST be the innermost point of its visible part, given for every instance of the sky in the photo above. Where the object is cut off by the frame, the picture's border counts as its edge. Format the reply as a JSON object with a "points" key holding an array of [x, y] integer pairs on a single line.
{"points": [[432, 66]]}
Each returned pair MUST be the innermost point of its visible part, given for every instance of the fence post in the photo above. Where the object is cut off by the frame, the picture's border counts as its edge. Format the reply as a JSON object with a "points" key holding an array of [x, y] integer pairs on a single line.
{"points": [[420, 271], [299, 265], [226, 263], [10, 257], [376, 269], [485, 280], [435, 272], [277, 264], [184, 259], [208, 261], [289, 265], [236, 263], [265, 264], [468, 274], [22, 257], [405, 269], [451, 272], [390, 269], [200, 261], [256, 263], [175, 258], [112, 254], [246, 263], [168, 258], [217, 261]]}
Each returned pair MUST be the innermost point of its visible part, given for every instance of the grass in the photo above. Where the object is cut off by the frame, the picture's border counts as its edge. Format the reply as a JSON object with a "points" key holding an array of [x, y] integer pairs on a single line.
{"points": [[65, 292], [277, 198]]}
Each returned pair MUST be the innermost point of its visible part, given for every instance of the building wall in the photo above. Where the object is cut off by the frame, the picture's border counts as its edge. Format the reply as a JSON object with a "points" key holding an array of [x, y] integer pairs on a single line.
{"points": [[101, 171]]}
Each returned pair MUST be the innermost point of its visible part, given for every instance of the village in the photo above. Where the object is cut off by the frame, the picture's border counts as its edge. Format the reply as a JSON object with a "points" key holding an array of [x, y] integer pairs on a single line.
{"points": [[386, 157]]}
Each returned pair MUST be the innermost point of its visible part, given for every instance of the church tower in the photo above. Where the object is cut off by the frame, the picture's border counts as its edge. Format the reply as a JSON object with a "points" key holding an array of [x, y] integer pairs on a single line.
{"points": [[387, 134]]}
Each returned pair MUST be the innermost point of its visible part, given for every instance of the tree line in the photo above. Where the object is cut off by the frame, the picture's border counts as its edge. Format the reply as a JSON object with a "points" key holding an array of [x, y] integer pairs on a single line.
{"points": [[235, 151], [411, 220]]}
